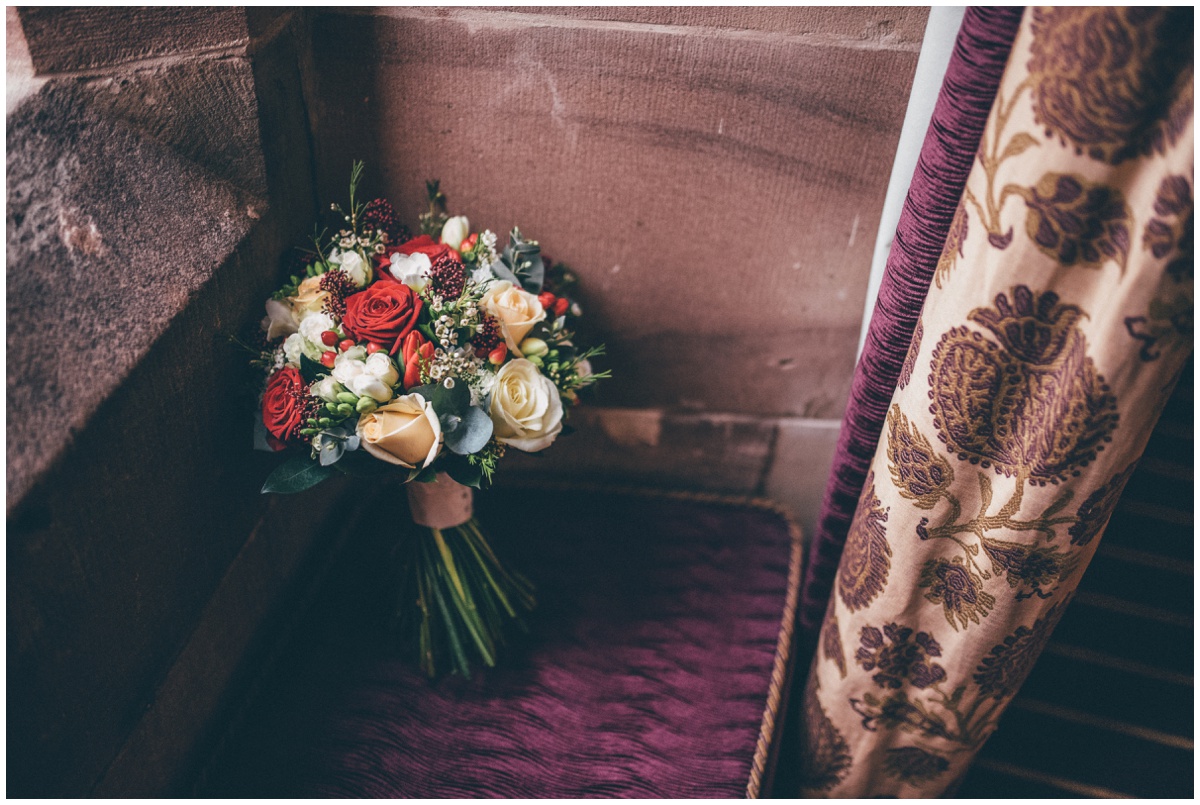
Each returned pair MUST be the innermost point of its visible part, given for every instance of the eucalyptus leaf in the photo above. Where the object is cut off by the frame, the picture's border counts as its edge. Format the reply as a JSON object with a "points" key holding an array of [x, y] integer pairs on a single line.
{"points": [[472, 433], [296, 475], [455, 400], [330, 451]]}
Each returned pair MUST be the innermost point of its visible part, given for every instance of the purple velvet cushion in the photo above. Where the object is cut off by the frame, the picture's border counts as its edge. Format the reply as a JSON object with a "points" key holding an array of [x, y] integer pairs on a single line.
{"points": [[645, 674]]}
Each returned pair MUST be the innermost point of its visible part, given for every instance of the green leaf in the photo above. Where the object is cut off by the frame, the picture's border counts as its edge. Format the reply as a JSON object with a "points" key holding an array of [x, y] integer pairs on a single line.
{"points": [[296, 475], [310, 370], [464, 472], [454, 401]]}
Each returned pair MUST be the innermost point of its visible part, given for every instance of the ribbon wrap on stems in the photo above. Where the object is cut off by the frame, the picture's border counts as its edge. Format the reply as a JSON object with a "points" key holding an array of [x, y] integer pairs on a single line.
{"points": [[457, 598], [444, 503]]}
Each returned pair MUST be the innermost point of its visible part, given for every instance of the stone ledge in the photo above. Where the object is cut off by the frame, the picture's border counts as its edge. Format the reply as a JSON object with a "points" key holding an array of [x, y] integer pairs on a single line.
{"points": [[93, 207], [73, 39]]}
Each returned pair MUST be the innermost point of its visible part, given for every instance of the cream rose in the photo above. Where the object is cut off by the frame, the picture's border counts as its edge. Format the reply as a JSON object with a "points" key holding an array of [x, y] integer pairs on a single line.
{"points": [[526, 410], [516, 309], [406, 431], [309, 298]]}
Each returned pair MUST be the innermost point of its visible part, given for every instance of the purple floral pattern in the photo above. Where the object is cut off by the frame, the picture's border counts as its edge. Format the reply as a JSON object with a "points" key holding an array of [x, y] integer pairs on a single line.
{"points": [[831, 641], [825, 759], [912, 764], [1005, 667], [898, 655], [919, 473], [866, 559], [1032, 406], [1115, 83], [1077, 223], [957, 589], [1096, 510]]}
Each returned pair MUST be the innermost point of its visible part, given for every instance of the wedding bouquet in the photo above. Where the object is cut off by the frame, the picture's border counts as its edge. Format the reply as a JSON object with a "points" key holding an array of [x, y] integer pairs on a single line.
{"points": [[423, 358]]}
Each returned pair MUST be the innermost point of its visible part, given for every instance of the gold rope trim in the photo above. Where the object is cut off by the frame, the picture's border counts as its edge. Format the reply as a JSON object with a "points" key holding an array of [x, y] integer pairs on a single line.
{"points": [[783, 647]]}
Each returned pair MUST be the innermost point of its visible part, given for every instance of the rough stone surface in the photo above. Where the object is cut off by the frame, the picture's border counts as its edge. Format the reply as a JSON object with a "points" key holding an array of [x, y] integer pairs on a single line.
{"points": [[203, 108], [74, 39], [132, 591], [717, 193], [94, 211]]}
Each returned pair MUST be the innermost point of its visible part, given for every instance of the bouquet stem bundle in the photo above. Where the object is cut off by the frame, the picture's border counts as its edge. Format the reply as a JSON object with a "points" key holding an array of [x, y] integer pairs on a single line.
{"points": [[457, 598]]}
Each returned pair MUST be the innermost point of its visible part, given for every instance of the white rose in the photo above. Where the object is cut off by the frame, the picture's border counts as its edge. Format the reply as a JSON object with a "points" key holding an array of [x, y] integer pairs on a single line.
{"points": [[349, 365], [411, 269], [327, 389], [516, 309], [280, 320], [355, 267], [313, 325], [526, 409], [380, 366], [455, 231], [406, 431], [365, 385]]}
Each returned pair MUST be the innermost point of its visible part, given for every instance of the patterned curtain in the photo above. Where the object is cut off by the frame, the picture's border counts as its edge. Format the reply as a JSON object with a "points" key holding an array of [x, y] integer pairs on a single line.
{"points": [[1059, 319], [972, 77]]}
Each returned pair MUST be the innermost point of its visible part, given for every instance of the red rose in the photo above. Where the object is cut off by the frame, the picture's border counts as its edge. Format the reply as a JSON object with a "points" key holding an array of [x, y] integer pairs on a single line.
{"points": [[384, 313], [281, 411], [416, 348], [428, 246]]}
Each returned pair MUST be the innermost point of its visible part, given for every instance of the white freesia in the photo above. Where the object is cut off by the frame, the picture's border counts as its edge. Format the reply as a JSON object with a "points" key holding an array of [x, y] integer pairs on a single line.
{"points": [[280, 320], [455, 231], [293, 348], [516, 309], [367, 385], [406, 432], [483, 275], [380, 366], [526, 409], [313, 325], [411, 269], [354, 265], [327, 389]]}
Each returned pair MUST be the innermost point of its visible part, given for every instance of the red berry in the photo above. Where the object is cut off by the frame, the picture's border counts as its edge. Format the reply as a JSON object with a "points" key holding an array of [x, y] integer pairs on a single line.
{"points": [[372, 347], [329, 338], [345, 345], [547, 300], [328, 359], [560, 307], [498, 354]]}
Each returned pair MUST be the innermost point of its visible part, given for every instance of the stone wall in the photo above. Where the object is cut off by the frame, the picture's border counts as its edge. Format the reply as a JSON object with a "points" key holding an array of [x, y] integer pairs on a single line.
{"points": [[715, 176], [159, 165]]}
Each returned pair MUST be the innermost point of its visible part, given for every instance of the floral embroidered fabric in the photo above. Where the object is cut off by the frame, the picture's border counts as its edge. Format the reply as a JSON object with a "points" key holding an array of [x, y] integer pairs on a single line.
{"points": [[1059, 319]]}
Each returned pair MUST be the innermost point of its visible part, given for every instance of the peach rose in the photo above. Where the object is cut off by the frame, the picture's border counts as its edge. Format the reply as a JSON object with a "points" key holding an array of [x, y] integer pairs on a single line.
{"points": [[309, 298], [406, 432], [516, 309]]}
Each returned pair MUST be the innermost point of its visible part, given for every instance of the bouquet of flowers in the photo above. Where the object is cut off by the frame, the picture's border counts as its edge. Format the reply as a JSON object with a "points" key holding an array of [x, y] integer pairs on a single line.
{"points": [[423, 358]]}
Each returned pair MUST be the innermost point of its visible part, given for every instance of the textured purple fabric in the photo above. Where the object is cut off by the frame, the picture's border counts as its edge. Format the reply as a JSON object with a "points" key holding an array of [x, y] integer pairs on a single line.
{"points": [[645, 674], [972, 79]]}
